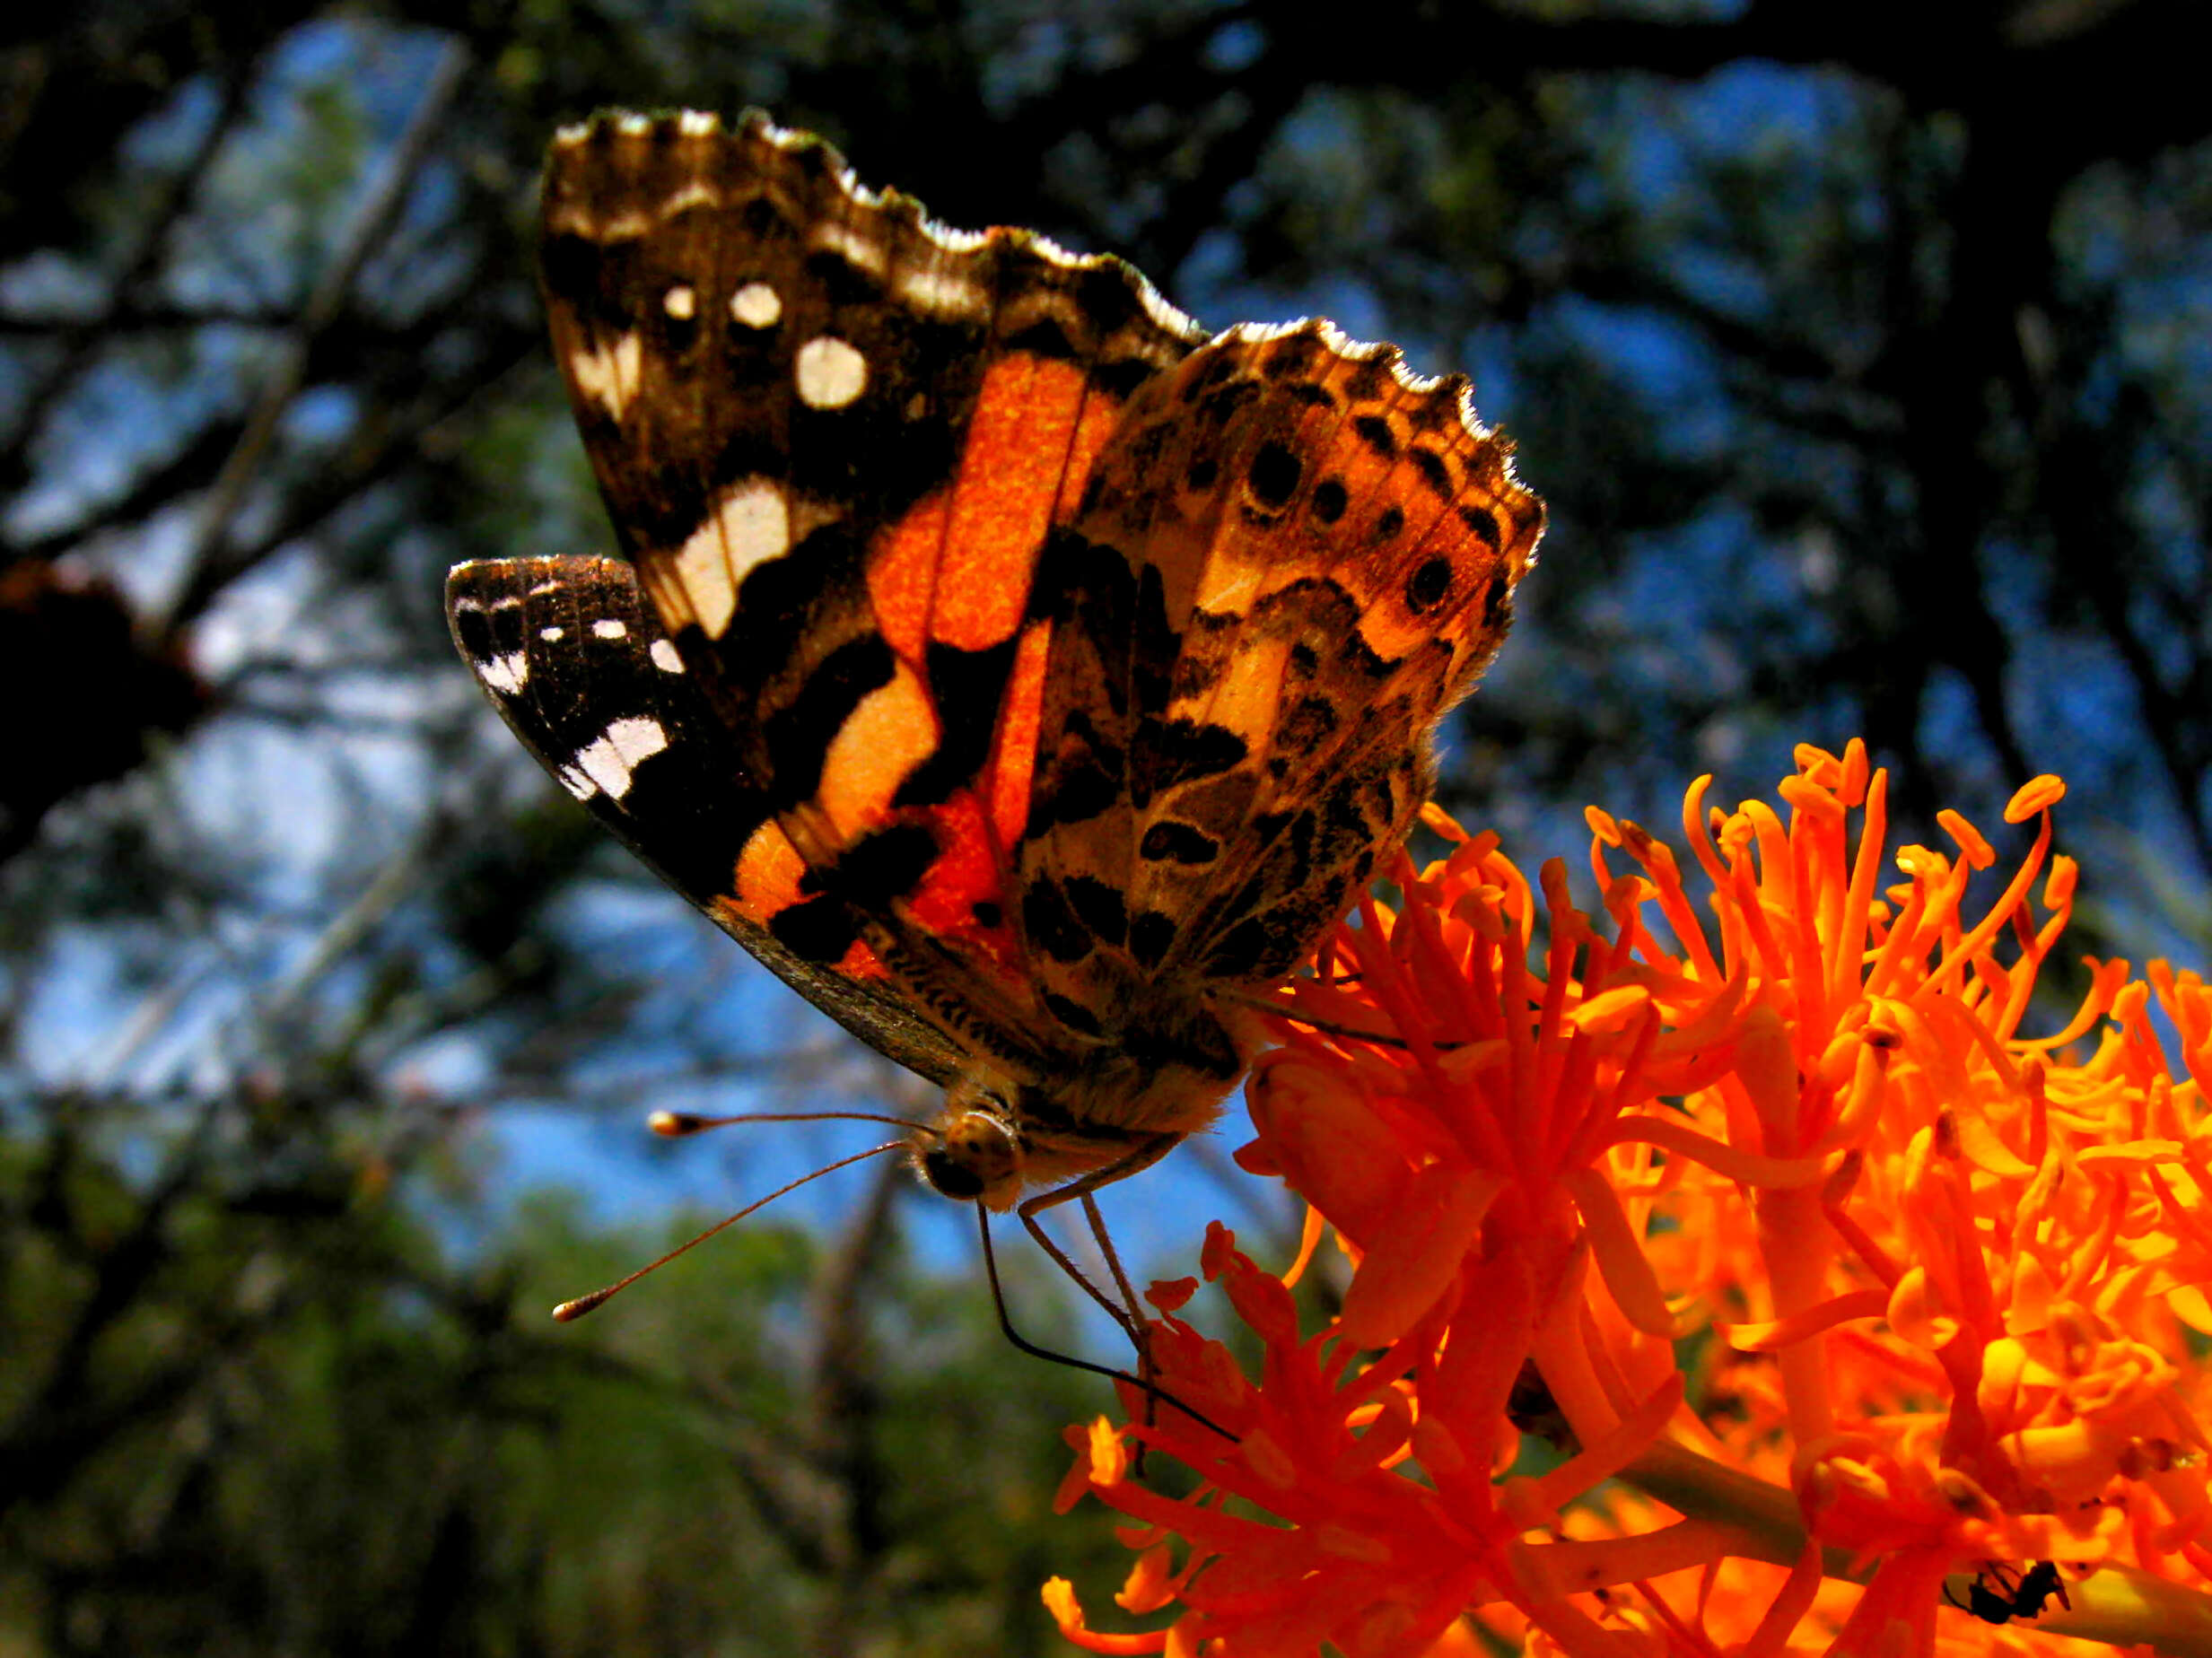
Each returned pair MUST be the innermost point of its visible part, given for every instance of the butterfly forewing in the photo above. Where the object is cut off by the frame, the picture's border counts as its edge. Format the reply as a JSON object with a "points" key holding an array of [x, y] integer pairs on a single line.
{"points": [[576, 663], [835, 439]]}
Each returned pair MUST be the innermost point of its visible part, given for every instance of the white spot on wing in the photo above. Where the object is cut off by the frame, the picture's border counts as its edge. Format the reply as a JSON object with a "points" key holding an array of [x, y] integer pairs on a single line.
{"points": [[610, 376], [750, 527], [505, 673], [551, 635], [756, 305], [857, 245], [609, 762], [680, 303], [665, 658], [830, 373], [609, 627], [942, 290], [698, 193]]}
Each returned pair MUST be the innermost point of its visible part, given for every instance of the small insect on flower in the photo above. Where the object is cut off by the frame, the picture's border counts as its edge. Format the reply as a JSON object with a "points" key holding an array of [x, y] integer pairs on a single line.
{"points": [[1997, 1596]]}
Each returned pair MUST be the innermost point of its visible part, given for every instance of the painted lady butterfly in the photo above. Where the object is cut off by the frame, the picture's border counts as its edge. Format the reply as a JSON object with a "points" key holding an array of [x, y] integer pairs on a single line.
{"points": [[1026, 678]]}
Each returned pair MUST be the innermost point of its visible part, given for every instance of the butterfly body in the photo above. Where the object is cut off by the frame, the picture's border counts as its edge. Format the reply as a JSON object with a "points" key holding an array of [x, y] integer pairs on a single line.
{"points": [[1026, 678]]}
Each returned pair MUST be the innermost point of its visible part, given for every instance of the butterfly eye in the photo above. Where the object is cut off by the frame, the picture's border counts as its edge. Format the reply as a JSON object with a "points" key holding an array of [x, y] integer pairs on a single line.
{"points": [[952, 1178], [977, 1148]]}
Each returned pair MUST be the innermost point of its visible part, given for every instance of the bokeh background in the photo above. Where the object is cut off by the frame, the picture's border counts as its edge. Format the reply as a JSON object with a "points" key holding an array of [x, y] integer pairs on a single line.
{"points": [[1862, 352]]}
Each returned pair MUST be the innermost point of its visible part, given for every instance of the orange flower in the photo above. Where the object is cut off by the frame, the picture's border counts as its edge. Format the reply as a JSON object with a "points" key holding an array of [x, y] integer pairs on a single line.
{"points": [[1794, 1224]]}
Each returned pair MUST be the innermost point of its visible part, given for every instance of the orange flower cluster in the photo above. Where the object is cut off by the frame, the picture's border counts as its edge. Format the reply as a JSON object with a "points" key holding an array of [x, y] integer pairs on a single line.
{"points": [[1833, 1298]]}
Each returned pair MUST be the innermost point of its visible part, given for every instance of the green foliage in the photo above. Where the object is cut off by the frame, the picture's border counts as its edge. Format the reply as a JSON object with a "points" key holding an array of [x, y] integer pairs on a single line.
{"points": [[309, 1426], [1868, 394]]}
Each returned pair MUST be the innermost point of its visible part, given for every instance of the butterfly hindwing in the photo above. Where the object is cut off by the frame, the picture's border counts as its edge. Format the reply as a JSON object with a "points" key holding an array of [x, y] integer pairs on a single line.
{"points": [[1294, 558]]}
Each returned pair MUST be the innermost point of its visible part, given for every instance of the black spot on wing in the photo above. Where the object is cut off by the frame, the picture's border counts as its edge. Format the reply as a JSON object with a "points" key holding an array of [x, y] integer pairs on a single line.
{"points": [[1044, 337], [818, 929], [1438, 413], [1078, 780], [1099, 907], [1107, 296], [1375, 432], [1497, 604], [779, 597], [1087, 587], [1480, 525], [1169, 753], [966, 685], [1427, 587], [1197, 672], [1220, 405], [1151, 936], [1120, 378], [1311, 721], [1077, 793], [1291, 357], [762, 222], [1343, 828], [798, 736], [1168, 841], [1368, 380], [1201, 1045], [1051, 925], [1273, 475], [879, 868], [1433, 471], [1209, 370], [842, 281], [1157, 644], [678, 333], [1269, 945], [1072, 1013]]}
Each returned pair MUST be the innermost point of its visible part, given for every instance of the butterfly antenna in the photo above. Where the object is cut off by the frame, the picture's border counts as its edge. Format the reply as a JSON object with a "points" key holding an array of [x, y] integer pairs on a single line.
{"points": [[675, 1124], [568, 1311], [1024, 1345]]}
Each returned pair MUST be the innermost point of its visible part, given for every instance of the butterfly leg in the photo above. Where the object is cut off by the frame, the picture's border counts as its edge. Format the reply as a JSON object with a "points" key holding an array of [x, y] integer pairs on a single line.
{"points": [[1111, 1256], [1146, 1374], [1127, 1314]]}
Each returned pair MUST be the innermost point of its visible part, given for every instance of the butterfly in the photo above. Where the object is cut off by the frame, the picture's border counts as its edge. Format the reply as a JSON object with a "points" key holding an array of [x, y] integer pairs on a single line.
{"points": [[1026, 678]]}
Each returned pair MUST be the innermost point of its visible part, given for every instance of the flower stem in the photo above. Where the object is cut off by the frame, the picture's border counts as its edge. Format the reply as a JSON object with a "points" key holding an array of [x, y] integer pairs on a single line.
{"points": [[2118, 1604]]}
